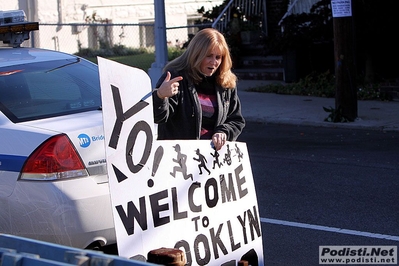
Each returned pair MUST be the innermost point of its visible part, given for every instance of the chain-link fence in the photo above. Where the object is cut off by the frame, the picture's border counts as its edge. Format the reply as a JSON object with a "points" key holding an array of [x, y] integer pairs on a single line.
{"points": [[107, 40], [71, 38]]}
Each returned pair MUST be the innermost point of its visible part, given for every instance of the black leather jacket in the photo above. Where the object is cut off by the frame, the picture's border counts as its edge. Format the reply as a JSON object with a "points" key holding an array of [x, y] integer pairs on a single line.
{"points": [[179, 117]]}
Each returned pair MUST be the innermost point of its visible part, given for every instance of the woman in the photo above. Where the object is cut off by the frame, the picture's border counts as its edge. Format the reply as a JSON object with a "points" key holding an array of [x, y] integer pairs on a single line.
{"points": [[196, 97]]}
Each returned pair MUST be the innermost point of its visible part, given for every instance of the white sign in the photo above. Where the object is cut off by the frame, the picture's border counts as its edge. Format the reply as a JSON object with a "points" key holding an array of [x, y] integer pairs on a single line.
{"points": [[341, 8], [178, 193]]}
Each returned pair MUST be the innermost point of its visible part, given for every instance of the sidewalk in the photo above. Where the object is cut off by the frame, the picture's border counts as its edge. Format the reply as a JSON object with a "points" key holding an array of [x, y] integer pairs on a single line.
{"points": [[307, 110]]}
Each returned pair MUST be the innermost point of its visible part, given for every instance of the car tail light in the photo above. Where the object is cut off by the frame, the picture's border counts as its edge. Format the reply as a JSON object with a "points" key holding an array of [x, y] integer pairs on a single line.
{"points": [[54, 159]]}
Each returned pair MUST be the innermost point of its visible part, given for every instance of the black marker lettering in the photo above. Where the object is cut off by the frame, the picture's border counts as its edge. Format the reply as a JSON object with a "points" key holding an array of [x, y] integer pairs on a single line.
{"points": [[120, 116], [131, 141], [132, 212]]}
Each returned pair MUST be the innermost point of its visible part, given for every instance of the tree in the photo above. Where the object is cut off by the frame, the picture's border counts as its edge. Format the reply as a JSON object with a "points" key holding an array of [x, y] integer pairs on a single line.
{"points": [[376, 25]]}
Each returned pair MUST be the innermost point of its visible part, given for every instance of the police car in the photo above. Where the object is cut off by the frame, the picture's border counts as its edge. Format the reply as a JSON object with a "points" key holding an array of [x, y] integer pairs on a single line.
{"points": [[53, 177]]}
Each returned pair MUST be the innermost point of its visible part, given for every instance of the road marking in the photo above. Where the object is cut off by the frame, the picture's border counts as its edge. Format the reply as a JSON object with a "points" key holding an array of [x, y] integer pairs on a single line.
{"points": [[329, 229]]}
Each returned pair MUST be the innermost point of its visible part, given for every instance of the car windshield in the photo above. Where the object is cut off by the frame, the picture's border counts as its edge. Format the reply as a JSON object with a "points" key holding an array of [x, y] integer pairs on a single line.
{"points": [[48, 89]]}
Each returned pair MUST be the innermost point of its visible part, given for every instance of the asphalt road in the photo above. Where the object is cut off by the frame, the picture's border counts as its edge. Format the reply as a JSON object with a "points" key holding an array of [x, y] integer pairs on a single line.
{"points": [[319, 186]]}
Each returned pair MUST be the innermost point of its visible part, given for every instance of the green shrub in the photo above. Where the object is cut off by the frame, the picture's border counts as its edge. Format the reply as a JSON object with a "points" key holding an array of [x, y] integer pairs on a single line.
{"points": [[322, 85], [312, 85], [174, 52], [335, 115], [116, 50]]}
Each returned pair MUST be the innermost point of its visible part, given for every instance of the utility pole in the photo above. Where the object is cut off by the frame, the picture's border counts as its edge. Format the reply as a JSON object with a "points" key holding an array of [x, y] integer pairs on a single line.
{"points": [[344, 53], [161, 49]]}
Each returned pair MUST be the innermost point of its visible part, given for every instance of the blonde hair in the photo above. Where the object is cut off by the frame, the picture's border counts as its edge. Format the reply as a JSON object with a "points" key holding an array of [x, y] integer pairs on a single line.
{"points": [[199, 47]]}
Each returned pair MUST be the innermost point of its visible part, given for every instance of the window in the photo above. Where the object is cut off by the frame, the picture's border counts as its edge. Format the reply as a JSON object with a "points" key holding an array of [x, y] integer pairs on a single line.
{"points": [[49, 89]]}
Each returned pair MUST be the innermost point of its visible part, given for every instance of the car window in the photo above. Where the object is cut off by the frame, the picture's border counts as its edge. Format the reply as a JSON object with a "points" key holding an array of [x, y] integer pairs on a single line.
{"points": [[48, 89]]}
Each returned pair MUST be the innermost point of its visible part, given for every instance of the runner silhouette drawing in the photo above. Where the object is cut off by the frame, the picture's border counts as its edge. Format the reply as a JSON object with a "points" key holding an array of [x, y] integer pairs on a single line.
{"points": [[216, 160], [181, 160], [202, 160]]}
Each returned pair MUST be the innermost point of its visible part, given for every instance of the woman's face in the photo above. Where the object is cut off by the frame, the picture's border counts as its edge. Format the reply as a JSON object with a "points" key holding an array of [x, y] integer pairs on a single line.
{"points": [[211, 62]]}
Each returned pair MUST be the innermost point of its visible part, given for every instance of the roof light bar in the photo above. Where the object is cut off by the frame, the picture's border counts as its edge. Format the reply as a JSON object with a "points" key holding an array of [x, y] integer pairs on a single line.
{"points": [[12, 16], [14, 29]]}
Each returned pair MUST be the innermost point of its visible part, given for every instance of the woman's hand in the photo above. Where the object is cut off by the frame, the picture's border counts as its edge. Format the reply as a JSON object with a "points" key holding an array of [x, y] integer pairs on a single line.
{"points": [[218, 140], [169, 87]]}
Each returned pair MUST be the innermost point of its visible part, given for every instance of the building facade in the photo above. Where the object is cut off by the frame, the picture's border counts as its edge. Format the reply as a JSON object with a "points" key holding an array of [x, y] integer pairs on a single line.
{"points": [[65, 24]]}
